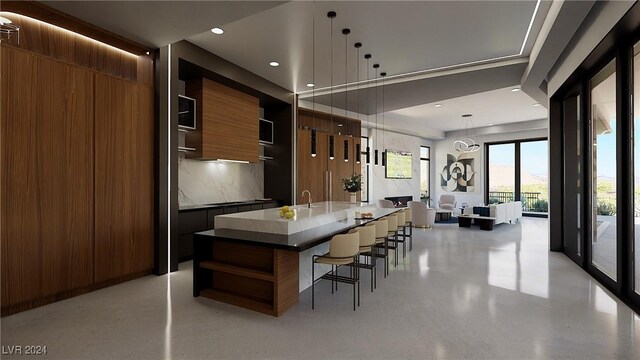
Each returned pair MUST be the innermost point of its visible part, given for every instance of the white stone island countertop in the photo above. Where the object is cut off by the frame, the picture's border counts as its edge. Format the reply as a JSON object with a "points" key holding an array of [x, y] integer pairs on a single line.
{"points": [[268, 221]]}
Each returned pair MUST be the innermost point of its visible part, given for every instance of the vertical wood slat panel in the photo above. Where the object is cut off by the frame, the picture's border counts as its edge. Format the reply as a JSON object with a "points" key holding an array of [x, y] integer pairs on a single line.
{"points": [[20, 236], [227, 122], [65, 167], [124, 177], [47, 181], [69, 47]]}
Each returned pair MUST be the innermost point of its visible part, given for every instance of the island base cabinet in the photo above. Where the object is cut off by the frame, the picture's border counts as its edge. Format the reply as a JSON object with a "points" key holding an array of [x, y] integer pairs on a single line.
{"points": [[254, 277]]}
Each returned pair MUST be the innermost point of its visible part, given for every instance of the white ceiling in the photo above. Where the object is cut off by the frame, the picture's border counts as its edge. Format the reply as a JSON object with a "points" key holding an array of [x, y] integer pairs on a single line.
{"points": [[402, 36], [159, 23], [418, 43], [496, 107]]}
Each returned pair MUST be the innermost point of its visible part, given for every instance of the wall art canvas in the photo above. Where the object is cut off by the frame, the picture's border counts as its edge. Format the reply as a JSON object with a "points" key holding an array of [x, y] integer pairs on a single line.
{"points": [[458, 174]]}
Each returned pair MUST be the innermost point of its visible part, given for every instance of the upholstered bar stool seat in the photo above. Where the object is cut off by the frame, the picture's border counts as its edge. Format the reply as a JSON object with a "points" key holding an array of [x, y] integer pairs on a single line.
{"points": [[344, 249], [381, 242]]}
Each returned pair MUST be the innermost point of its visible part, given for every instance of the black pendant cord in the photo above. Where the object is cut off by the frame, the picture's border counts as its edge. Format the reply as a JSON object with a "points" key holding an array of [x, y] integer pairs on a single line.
{"points": [[367, 57], [384, 152], [358, 146], [346, 33], [313, 80], [377, 142], [331, 15]]}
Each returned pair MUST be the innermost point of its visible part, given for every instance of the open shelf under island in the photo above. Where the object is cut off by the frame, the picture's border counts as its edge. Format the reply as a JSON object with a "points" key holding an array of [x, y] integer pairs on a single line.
{"points": [[257, 260]]}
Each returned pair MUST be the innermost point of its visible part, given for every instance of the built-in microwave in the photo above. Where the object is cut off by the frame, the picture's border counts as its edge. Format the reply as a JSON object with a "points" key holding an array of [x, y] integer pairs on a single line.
{"points": [[186, 112], [266, 131]]}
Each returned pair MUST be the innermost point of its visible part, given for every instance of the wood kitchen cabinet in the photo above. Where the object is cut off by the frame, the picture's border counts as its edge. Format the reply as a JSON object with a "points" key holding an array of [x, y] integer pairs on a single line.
{"points": [[321, 176], [226, 123], [123, 177]]}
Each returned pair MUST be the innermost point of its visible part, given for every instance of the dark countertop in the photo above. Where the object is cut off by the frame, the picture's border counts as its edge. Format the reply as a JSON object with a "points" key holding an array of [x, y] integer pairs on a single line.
{"points": [[299, 241], [224, 204]]}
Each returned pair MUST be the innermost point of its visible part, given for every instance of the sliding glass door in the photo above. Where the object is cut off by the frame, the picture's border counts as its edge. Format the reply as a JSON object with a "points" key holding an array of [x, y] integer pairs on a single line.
{"points": [[518, 171], [603, 170], [636, 167]]}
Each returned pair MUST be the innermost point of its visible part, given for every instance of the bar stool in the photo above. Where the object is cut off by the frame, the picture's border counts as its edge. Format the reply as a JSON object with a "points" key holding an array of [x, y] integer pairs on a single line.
{"points": [[344, 249], [408, 224], [382, 230], [400, 215], [392, 234], [367, 241]]}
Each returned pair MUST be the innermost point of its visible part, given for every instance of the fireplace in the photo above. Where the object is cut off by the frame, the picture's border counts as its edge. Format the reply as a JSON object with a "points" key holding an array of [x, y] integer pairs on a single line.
{"points": [[400, 201]]}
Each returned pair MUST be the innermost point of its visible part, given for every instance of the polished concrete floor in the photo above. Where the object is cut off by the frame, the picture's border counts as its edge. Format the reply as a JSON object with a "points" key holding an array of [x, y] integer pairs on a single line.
{"points": [[461, 294]]}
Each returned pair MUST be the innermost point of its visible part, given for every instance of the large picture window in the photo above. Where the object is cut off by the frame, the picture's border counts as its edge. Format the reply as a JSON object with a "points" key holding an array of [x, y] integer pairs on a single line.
{"points": [[518, 171]]}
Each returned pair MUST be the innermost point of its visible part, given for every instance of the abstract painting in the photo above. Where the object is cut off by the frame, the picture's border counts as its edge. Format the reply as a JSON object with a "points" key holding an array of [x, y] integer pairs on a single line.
{"points": [[457, 175]]}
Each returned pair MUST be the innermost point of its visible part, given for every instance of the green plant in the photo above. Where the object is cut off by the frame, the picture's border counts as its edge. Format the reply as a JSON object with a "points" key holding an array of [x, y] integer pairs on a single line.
{"points": [[540, 205], [353, 183], [606, 208]]}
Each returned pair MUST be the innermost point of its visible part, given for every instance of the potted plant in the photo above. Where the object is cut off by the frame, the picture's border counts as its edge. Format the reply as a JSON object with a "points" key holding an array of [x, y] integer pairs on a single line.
{"points": [[425, 198], [352, 184]]}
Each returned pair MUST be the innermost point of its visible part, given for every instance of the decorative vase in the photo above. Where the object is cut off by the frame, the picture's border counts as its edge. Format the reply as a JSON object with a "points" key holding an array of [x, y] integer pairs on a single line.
{"points": [[352, 198]]}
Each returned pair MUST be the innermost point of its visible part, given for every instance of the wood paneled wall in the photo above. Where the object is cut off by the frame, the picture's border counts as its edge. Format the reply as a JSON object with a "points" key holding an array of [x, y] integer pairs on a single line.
{"points": [[324, 122], [123, 177], [76, 179], [41, 38], [321, 176]]}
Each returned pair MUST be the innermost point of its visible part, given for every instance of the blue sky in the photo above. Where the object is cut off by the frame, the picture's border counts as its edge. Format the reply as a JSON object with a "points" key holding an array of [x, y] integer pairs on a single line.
{"points": [[534, 156]]}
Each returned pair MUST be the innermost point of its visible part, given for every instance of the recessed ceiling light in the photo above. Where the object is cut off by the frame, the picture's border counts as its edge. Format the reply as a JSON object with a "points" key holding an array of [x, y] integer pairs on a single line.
{"points": [[438, 105], [340, 125], [274, 63], [467, 115], [515, 89], [491, 124], [311, 85], [217, 31], [536, 104]]}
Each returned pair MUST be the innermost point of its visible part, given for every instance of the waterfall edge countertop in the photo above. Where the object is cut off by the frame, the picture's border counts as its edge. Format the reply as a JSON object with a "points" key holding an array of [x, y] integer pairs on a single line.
{"points": [[268, 221], [298, 241]]}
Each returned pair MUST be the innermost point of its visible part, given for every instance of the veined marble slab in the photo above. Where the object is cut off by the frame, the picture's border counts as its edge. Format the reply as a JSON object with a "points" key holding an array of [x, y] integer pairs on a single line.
{"points": [[268, 221]]}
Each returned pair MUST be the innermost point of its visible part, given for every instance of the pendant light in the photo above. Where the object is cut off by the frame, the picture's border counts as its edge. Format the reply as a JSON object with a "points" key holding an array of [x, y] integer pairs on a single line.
{"points": [[368, 155], [314, 145], [346, 33], [375, 152], [358, 45], [384, 151], [331, 15]]}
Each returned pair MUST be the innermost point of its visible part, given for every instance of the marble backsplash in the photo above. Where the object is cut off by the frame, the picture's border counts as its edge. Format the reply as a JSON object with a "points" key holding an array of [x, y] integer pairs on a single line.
{"points": [[203, 182]]}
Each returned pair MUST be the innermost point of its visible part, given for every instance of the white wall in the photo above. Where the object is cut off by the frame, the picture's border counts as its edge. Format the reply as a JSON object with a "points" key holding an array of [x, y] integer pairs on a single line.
{"points": [[444, 147], [382, 187]]}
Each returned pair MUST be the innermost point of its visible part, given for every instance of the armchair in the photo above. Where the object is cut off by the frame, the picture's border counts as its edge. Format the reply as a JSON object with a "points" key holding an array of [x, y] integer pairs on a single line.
{"points": [[447, 202], [422, 216]]}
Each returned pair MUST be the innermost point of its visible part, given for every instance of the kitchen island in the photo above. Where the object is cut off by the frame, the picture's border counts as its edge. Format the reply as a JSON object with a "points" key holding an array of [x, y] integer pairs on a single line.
{"points": [[258, 261]]}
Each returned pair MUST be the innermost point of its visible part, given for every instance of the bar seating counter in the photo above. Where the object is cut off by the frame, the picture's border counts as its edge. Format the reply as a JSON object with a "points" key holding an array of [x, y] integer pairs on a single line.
{"points": [[259, 270]]}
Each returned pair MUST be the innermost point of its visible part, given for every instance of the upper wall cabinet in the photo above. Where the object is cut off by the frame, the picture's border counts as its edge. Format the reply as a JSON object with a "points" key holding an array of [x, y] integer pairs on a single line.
{"points": [[226, 123]]}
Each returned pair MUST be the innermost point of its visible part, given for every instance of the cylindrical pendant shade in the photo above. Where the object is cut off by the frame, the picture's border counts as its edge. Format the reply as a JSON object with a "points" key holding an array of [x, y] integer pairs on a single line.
{"points": [[368, 155], [313, 143], [346, 151], [357, 153], [384, 158], [331, 150], [375, 157]]}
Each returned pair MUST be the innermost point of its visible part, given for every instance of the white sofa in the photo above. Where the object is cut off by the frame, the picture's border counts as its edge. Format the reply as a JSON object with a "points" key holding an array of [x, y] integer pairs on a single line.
{"points": [[509, 212]]}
